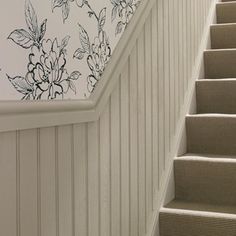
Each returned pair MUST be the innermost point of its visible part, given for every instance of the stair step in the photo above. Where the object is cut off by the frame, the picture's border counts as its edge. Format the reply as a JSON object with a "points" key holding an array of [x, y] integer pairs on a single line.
{"points": [[216, 96], [226, 12], [220, 63], [211, 134], [223, 36], [195, 219], [206, 179]]}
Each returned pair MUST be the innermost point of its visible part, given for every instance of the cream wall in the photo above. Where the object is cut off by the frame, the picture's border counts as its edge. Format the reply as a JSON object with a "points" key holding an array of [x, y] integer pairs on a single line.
{"points": [[106, 178]]}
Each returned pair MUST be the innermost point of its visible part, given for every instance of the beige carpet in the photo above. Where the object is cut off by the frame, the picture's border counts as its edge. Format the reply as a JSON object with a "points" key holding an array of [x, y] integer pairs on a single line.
{"points": [[205, 178]]}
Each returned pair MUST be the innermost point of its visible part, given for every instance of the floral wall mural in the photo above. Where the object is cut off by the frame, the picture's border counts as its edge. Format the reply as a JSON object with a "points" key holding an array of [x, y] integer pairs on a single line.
{"points": [[58, 49]]}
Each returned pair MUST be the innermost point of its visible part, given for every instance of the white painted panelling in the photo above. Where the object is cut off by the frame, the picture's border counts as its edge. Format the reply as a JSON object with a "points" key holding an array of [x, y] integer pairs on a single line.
{"points": [[104, 178]]}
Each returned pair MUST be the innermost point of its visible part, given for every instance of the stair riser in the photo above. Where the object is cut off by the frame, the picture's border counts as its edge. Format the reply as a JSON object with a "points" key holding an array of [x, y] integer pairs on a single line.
{"points": [[211, 135], [220, 64], [216, 96], [186, 225], [223, 36], [226, 13], [206, 182]]}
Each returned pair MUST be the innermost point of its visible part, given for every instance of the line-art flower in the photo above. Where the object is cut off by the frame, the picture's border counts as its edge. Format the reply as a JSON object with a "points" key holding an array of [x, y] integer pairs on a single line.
{"points": [[47, 77], [99, 52], [65, 5], [124, 9]]}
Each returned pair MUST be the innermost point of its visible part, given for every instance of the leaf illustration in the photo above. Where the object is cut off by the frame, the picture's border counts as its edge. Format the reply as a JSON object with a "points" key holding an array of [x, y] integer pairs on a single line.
{"points": [[119, 27], [21, 85], [79, 54], [84, 39], [75, 75], [102, 17], [22, 38], [64, 42], [114, 13], [31, 18], [65, 11], [72, 86], [43, 29], [57, 3]]}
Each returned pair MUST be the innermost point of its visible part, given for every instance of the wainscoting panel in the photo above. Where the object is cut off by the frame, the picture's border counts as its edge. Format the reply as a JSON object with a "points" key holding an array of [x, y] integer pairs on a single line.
{"points": [[104, 178]]}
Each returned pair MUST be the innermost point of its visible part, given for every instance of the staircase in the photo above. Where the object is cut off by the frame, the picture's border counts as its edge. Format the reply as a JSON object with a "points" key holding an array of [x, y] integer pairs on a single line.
{"points": [[205, 177]]}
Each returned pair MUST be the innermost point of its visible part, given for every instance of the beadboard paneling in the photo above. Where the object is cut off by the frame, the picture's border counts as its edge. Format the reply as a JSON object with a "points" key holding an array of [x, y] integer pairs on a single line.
{"points": [[103, 178]]}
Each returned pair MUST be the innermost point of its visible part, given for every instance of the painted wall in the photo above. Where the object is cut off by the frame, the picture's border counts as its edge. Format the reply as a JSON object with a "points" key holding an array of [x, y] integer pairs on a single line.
{"points": [[58, 49], [105, 178]]}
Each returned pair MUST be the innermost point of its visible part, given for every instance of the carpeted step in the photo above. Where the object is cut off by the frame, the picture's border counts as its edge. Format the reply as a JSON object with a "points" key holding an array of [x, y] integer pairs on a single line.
{"points": [[223, 36], [211, 134], [195, 219], [216, 96], [205, 179], [226, 12], [220, 63]]}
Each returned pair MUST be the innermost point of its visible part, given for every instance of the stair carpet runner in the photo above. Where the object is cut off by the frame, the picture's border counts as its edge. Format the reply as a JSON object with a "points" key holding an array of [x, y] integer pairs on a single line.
{"points": [[205, 177]]}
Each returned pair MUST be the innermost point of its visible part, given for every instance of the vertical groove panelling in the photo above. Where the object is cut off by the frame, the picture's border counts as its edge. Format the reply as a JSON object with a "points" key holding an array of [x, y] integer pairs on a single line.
{"points": [[185, 48], [39, 190], [148, 116], [103, 178], [176, 58], [93, 179], [8, 182], [155, 112], [133, 143], [161, 91], [64, 181], [18, 222], [48, 175], [105, 172], [28, 183], [125, 151], [172, 81], [141, 136], [115, 163], [166, 78], [181, 51], [188, 41], [81, 181]]}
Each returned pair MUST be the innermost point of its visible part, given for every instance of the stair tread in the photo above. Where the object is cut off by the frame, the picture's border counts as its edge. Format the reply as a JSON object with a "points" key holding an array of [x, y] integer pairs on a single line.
{"points": [[226, 12], [223, 36], [205, 178], [198, 207], [211, 133], [220, 63]]}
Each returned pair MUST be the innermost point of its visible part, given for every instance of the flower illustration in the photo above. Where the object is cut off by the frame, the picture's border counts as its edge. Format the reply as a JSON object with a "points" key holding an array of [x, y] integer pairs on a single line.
{"points": [[65, 5], [46, 71], [125, 10], [98, 52], [47, 77], [98, 59]]}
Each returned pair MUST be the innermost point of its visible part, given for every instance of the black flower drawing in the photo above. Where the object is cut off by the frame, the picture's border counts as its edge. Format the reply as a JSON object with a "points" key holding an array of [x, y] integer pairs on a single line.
{"points": [[124, 9], [97, 52], [47, 77], [65, 6]]}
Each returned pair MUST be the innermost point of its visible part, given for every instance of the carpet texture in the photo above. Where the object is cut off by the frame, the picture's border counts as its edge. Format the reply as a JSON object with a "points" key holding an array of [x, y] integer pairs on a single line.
{"points": [[205, 177]]}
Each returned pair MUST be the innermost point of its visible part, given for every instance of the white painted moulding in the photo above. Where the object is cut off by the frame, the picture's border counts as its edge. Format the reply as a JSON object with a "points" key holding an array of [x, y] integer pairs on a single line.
{"points": [[18, 115]]}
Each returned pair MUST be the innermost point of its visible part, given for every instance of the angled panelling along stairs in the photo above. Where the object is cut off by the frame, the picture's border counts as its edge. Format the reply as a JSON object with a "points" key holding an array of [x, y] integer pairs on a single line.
{"points": [[205, 177]]}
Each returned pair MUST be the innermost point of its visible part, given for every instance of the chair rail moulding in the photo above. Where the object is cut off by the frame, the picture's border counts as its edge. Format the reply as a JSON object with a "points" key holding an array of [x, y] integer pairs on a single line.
{"points": [[27, 114]]}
